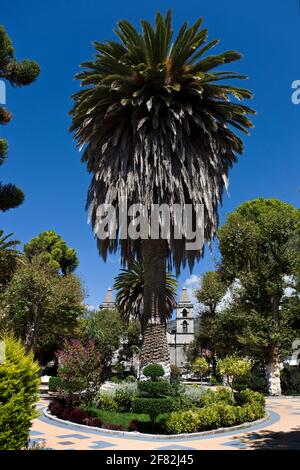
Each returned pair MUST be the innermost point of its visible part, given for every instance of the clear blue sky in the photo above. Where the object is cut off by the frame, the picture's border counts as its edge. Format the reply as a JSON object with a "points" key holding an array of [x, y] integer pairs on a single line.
{"points": [[43, 160]]}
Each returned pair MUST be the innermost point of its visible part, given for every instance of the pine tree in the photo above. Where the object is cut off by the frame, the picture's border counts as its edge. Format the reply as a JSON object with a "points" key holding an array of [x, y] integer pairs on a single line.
{"points": [[17, 73]]}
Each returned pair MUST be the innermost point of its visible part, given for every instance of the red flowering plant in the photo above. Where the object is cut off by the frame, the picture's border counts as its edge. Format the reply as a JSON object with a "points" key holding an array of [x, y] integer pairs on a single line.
{"points": [[79, 369]]}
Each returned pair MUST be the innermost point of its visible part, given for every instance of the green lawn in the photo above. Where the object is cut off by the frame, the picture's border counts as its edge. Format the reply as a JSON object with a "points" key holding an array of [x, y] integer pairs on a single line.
{"points": [[118, 417]]}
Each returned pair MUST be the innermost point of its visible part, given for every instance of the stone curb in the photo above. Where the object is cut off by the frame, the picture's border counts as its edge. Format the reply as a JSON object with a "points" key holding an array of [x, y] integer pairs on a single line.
{"points": [[156, 437]]}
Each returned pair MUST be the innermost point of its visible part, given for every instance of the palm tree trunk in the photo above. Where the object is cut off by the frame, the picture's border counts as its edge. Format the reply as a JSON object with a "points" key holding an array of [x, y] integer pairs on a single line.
{"points": [[155, 346], [273, 365]]}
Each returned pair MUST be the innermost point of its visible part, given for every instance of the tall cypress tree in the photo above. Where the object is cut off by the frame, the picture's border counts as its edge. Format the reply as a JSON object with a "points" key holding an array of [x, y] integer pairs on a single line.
{"points": [[17, 73]]}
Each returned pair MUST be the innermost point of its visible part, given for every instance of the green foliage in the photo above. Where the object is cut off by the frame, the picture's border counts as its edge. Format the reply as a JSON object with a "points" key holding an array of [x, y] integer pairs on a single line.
{"points": [[212, 291], [131, 379], [255, 380], [258, 244], [124, 397], [3, 150], [290, 380], [79, 368], [106, 329], [55, 384], [9, 257], [16, 73], [233, 367], [157, 98], [250, 397], [200, 366], [106, 401], [155, 388], [214, 381], [19, 382], [213, 416], [153, 371], [129, 285], [42, 307], [10, 197], [183, 402], [221, 395], [183, 422], [50, 248], [152, 406]]}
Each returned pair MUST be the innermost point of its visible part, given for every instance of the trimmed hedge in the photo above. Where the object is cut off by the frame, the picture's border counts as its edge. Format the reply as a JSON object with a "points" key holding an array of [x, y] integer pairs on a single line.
{"points": [[161, 387], [218, 411], [152, 406], [213, 416], [19, 383], [154, 371], [55, 383]]}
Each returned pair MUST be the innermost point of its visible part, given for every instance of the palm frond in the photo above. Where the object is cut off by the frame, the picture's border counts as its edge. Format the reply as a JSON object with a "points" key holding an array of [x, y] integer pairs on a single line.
{"points": [[156, 126]]}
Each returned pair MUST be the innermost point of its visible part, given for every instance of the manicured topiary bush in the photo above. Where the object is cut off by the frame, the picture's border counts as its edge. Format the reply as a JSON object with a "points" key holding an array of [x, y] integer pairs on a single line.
{"points": [[19, 382], [154, 371], [155, 389], [153, 399]]}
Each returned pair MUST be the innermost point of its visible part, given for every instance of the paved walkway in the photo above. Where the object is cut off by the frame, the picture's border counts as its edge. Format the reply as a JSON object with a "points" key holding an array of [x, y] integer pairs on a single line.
{"points": [[281, 431]]}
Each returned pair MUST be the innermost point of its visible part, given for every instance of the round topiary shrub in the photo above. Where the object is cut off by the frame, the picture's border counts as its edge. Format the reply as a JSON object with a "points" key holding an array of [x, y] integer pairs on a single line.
{"points": [[153, 371], [19, 383]]}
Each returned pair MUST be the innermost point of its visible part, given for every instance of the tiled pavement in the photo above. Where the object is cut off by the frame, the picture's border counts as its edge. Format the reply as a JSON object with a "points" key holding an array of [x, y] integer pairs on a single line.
{"points": [[281, 431]]}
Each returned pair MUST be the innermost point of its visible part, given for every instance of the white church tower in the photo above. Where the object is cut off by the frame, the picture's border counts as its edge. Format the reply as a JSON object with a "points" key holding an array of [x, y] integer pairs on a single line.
{"points": [[183, 335], [108, 301]]}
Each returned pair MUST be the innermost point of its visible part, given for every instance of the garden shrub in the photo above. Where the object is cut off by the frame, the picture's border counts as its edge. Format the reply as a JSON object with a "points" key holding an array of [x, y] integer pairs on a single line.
{"points": [[113, 427], [290, 380], [153, 371], [123, 398], [154, 389], [249, 397], [213, 416], [183, 402], [116, 380], [73, 414], [214, 381], [55, 384], [220, 395], [183, 421], [106, 401], [152, 406], [255, 380], [80, 367], [19, 383], [131, 379]]}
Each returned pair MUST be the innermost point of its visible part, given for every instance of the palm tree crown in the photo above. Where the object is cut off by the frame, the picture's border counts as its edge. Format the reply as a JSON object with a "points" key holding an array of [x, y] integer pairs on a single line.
{"points": [[157, 126], [130, 293]]}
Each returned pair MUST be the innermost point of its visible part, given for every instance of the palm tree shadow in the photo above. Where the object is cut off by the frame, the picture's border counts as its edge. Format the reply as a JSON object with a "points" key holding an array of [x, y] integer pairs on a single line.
{"points": [[271, 440]]}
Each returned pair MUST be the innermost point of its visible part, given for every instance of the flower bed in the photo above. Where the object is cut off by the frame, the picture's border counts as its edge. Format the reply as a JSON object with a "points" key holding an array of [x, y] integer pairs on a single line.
{"points": [[210, 410]]}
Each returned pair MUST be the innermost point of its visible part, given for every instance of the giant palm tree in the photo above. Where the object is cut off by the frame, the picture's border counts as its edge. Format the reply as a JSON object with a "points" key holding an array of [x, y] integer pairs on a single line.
{"points": [[157, 126], [129, 284]]}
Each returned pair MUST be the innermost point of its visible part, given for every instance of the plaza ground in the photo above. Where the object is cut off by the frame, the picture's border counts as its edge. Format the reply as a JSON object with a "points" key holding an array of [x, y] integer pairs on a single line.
{"points": [[280, 431]]}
